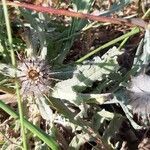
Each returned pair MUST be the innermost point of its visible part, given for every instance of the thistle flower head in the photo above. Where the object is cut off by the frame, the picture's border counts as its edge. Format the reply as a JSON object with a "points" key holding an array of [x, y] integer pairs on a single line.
{"points": [[34, 77], [139, 93]]}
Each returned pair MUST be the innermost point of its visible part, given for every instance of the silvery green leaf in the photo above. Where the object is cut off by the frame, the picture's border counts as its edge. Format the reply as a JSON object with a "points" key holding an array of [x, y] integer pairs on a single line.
{"points": [[126, 110], [106, 114], [44, 108], [7, 70], [113, 127], [137, 55], [111, 55], [99, 119], [144, 58], [70, 89], [39, 33], [96, 98], [111, 130], [146, 47], [79, 140], [84, 76], [147, 40], [78, 98]]}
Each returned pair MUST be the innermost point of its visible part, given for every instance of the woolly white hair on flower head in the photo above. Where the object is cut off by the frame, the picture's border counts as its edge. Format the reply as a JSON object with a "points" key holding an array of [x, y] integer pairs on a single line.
{"points": [[139, 93], [34, 77]]}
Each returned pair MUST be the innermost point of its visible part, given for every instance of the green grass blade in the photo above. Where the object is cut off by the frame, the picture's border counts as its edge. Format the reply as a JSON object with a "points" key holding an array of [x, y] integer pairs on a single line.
{"points": [[35, 130], [10, 40], [76, 25], [134, 31]]}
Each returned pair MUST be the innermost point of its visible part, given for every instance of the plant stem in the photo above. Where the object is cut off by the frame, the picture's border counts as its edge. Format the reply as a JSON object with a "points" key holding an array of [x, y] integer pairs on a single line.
{"points": [[134, 31], [10, 40], [146, 14], [122, 43], [62, 12]]}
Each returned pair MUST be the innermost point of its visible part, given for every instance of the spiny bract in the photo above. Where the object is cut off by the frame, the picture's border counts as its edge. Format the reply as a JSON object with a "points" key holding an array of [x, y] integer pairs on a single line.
{"points": [[139, 93], [34, 77]]}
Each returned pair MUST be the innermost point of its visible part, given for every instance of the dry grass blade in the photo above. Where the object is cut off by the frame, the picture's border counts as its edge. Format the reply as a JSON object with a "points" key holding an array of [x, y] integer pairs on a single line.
{"points": [[128, 22]]}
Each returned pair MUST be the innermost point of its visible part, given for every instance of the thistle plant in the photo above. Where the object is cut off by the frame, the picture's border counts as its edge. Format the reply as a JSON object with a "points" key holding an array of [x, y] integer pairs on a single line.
{"points": [[139, 89], [74, 106], [139, 92], [33, 74]]}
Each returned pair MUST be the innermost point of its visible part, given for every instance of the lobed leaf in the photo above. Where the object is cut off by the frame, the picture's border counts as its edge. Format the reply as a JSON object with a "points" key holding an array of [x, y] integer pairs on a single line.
{"points": [[84, 76]]}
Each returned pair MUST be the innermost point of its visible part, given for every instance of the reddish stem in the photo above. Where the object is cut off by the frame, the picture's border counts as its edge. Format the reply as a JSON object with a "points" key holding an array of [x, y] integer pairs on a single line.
{"points": [[49, 10]]}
